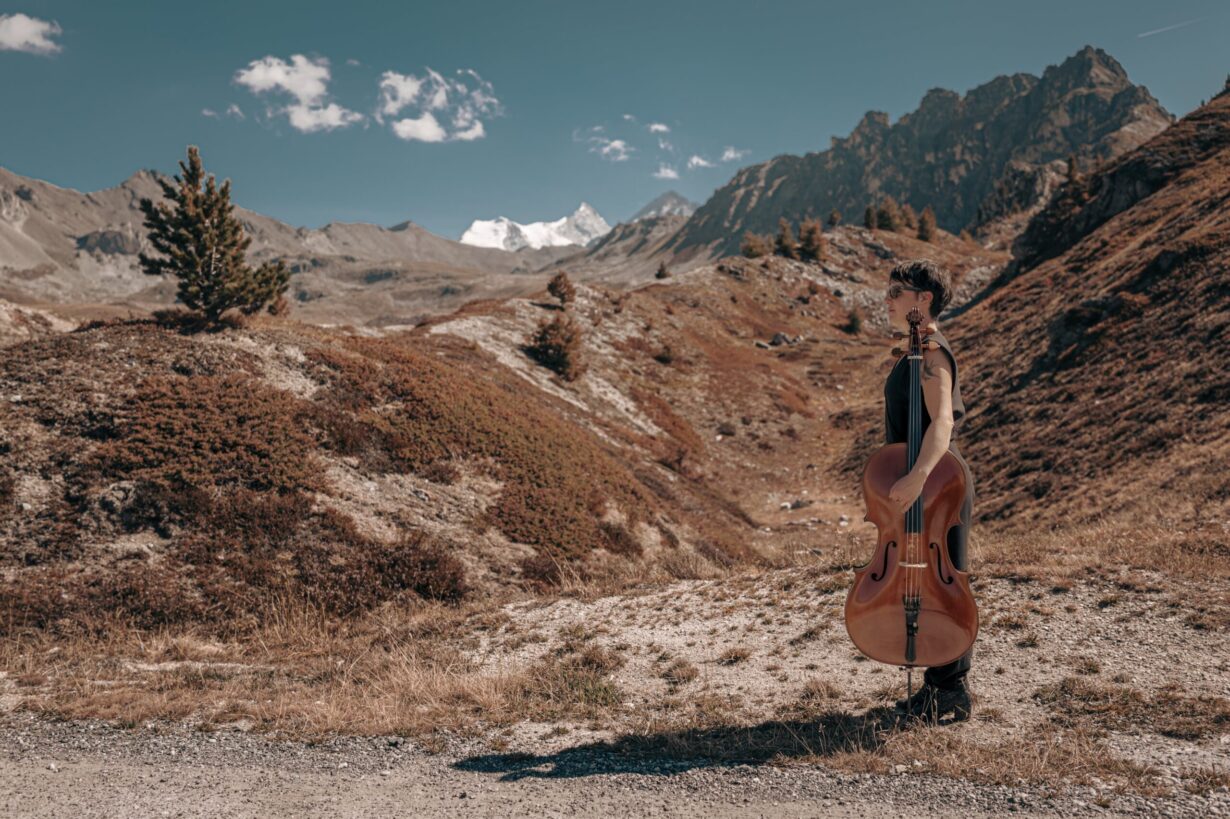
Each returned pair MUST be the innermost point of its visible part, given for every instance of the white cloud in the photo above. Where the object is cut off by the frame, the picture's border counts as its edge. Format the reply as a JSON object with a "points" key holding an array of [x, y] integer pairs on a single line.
{"points": [[665, 144], [424, 128], [464, 103], [209, 112], [665, 172], [475, 131], [235, 111], [731, 154], [615, 150], [698, 162], [629, 118], [396, 92], [658, 128], [19, 32], [352, 61], [307, 118], [305, 79]]}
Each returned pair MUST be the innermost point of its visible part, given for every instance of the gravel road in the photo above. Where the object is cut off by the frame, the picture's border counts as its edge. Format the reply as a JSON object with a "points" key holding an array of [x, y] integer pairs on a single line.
{"points": [[51, 768]]}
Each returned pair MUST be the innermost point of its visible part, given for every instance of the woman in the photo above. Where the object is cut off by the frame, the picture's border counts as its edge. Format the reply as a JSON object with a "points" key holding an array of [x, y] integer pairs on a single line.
{"points": [[924, 284]]}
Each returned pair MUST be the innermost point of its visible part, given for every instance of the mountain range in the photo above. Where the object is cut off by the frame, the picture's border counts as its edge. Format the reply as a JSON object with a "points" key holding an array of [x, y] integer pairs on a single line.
{"points": [[987, 160]]}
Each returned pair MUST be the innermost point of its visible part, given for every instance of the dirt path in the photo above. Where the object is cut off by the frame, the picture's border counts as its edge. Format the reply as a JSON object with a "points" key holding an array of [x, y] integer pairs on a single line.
{"points": [[89, 769]]}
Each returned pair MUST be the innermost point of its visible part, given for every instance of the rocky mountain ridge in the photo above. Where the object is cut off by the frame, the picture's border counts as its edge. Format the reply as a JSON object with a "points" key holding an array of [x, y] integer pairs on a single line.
{"points": [[957, 153]]}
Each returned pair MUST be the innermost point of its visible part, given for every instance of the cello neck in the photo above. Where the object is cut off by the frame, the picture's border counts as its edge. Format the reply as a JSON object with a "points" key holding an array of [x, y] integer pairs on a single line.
{"points": [[913, 515]]}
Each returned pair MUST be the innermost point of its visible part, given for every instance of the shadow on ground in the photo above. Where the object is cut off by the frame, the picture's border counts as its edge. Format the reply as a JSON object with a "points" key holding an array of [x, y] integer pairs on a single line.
{"points": [[673, 752]]}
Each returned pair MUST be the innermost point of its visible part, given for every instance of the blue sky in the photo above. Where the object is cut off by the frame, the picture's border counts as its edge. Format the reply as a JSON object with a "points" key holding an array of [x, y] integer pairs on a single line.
{"points": [[527, 113]]}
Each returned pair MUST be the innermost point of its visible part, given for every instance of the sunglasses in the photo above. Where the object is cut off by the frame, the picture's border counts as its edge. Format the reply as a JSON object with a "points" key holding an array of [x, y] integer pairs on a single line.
{"points": [[894, 289]]}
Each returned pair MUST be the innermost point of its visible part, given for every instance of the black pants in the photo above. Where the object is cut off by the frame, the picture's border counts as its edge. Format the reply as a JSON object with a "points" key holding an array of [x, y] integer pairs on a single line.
{"points": [[952, 675]]}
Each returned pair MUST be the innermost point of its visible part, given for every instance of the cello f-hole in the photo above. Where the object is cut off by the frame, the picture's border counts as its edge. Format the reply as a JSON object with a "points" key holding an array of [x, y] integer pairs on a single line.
{"points": [[892, 544], [939, 564]]}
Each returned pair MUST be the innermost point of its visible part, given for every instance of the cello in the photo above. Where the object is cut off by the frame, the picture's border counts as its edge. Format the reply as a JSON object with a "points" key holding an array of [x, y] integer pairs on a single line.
{"points": [[909, 605]]}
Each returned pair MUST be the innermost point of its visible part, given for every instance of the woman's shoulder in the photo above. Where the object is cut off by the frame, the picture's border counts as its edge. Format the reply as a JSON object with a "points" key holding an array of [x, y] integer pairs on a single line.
{"points": [[940, 353], [939, 338]]}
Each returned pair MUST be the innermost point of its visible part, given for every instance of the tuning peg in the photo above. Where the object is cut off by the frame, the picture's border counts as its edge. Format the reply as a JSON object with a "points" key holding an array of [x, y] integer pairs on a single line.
{"points": [[897, 351], [898, 334]]}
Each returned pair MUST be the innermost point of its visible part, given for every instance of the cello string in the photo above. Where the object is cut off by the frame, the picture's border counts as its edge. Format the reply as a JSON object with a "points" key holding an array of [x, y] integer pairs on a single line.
{"points": [[911, 519], [915, 506]]}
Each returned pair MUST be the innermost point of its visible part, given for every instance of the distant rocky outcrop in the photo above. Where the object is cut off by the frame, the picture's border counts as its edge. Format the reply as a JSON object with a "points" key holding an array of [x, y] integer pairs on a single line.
{"points": [[668, 204], [973, 158], [628, 254], [25, 323]]}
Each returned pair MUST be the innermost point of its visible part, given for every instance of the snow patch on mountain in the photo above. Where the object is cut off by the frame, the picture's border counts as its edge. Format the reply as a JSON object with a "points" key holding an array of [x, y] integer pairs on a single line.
{"points": [[579, 228]]}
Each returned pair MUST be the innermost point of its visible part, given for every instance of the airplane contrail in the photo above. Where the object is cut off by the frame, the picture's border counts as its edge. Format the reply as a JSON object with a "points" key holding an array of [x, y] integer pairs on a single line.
{"points": [[1168, 28]]}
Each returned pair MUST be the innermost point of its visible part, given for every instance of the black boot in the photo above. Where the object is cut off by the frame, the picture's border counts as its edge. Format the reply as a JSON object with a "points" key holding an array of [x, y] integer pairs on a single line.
{"points": [[931, 703]]}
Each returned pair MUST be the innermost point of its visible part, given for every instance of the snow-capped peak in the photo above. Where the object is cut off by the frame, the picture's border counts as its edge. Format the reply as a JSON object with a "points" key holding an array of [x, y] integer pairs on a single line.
{"points": [[579, 228]]}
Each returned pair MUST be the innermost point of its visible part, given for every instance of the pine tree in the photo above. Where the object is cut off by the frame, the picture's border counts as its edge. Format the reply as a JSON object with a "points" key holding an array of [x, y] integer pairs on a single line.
{"points": [[811, 241], [754, 245], [561, 288], [869, 217], [556, 344], [909, 219], [202, 243], [786, 244], [926, 225], [662, 271], [888, 217], [834, 217]]}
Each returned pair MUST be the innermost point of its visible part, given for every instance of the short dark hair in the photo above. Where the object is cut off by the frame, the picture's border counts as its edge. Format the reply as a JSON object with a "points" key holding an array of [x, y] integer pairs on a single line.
{"points": [[929, 276]]}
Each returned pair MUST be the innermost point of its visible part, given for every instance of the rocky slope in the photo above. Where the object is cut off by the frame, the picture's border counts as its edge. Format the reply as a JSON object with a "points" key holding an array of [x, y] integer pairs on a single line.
{"points": [[1098, 378], [684, 428]]}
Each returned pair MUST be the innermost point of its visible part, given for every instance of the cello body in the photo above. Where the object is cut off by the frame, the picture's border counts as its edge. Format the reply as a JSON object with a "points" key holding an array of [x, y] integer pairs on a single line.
{"points": [[947, 618], [909, 605]]}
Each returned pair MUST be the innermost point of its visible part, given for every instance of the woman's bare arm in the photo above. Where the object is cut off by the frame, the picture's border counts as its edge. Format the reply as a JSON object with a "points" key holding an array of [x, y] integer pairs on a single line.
{"points": [[937, 392]]}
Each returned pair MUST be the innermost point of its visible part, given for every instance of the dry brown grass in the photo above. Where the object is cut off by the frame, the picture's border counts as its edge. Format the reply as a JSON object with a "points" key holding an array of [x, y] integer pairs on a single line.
{"points": [[305, 674], [405, 411], [680, 672], [247, 549], [1060, 557], [1167, 711], [732, 655]]}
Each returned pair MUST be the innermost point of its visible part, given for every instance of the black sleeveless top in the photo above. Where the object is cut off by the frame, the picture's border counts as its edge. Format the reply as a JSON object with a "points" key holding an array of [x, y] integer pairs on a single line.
{"points": [[897, 400]]}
